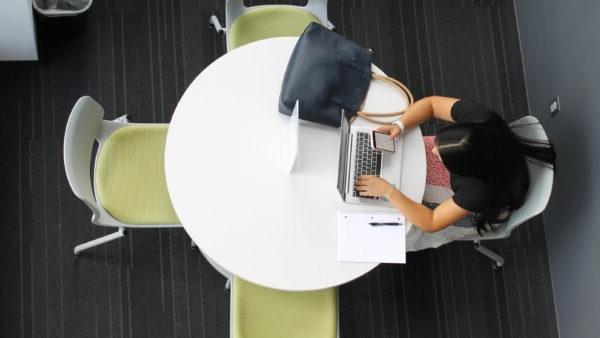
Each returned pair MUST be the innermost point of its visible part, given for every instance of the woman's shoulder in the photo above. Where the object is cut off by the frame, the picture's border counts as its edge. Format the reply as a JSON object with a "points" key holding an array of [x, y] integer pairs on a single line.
{"points": [[468, 111], [471, 194]]}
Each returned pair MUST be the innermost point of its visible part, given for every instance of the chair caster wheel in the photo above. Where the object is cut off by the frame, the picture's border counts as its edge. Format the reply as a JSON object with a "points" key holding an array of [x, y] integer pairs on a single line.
{"points": [[125, 232], [496, 267]]}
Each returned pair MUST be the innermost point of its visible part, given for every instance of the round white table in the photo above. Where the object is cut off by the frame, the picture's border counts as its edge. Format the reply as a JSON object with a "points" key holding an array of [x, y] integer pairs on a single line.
{"points": [[222, 162]]}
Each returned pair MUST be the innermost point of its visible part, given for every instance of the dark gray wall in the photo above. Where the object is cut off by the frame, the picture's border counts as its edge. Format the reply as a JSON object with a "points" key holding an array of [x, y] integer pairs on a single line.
{"points": [[560, 42]]}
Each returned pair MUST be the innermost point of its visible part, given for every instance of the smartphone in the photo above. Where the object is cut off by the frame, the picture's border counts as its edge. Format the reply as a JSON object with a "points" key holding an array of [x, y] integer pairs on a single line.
{"points": [[381, 141]]}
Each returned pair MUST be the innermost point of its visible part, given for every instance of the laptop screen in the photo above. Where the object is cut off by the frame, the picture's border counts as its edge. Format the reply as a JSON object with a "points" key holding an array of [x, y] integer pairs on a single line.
{"points": [[344, 144]]}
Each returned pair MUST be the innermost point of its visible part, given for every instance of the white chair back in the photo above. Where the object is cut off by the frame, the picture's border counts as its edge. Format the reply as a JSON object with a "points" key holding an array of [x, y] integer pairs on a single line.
{"points": [[540, 186], [83, 127]]}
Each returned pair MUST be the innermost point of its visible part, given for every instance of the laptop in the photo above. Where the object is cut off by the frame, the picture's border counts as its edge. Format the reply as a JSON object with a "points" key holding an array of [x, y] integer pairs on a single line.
{"points": [[357, 158]]}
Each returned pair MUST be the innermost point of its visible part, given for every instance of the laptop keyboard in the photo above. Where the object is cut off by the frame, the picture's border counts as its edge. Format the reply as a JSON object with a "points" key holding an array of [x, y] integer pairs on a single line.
{"points": [[368, 161]]}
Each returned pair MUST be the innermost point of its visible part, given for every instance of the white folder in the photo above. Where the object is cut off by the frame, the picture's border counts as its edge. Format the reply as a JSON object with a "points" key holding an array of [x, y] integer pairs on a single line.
{"points": [[363, 237]]}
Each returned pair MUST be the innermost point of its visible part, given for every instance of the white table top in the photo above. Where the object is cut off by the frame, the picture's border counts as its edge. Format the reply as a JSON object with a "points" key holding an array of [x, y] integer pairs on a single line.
{"points": [[222, 163]]}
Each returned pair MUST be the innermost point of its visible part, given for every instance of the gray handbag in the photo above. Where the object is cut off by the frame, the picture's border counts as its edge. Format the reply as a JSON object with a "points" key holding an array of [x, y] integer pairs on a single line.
{"points": [[328, 73]]}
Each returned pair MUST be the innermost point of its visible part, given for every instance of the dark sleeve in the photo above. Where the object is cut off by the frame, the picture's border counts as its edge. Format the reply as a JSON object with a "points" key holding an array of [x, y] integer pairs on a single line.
{"points": [[464, 111], [473, 196]]}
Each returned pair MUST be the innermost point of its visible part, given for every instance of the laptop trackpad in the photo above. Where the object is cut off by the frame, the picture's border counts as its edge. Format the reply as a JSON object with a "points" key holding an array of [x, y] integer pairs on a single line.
{"points": [[391, 167]]}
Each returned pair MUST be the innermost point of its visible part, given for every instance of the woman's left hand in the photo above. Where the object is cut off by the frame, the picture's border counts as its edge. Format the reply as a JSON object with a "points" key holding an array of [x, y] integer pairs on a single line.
{"points": [[368, 185]]}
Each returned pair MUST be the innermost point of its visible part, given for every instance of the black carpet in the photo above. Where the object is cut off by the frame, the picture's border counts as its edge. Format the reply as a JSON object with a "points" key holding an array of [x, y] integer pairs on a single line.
{"points": [[138, 56]]}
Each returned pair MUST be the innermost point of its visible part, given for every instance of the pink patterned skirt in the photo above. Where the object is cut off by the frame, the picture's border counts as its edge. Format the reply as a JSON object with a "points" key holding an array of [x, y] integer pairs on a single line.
{"points": [[437, 188]]}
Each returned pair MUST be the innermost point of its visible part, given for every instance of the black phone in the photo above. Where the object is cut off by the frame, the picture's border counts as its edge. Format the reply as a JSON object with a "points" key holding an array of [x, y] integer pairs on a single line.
{"points": [[381, 141]]}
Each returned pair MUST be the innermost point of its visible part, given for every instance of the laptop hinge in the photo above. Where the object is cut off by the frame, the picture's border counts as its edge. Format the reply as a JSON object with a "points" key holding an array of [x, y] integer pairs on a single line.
{"points": [[348, 165]]}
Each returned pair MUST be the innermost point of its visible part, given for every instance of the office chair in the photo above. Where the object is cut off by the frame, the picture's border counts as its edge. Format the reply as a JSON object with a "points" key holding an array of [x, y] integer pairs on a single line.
{"points": [[249, 24], [257, 311], [129, 188], [541, 178]]}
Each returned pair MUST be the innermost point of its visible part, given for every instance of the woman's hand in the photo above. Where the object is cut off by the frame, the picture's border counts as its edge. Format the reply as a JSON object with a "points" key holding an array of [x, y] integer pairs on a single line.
{"points": [[390, 129], [368, 185]]}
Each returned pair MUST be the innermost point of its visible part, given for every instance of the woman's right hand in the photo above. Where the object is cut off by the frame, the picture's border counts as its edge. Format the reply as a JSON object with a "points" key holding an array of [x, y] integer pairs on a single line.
{"points": [[390, 129]]}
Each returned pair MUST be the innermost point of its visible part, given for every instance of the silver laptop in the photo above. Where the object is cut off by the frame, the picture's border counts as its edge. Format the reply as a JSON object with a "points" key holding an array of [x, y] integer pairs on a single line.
{"points": [[357, 158]]}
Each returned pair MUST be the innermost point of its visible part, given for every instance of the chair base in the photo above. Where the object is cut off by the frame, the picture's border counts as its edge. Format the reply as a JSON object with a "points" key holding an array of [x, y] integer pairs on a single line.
{"points": [[122, 119], [498, 260], [214, 23], [99, 241], [217, 267]]}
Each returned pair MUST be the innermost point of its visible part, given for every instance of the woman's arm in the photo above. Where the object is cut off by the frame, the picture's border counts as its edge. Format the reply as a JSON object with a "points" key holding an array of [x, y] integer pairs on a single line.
{"points": [[421, 111], [428, 220], [426, 108]]}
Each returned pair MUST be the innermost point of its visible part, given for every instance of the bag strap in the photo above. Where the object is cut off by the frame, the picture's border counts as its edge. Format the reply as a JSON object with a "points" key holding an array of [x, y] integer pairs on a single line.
{"points": [[373, 117]]}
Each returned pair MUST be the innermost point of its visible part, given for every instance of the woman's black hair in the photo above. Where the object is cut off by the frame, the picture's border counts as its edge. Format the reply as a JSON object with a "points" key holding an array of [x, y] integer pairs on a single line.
{"points": [[493, 154]]}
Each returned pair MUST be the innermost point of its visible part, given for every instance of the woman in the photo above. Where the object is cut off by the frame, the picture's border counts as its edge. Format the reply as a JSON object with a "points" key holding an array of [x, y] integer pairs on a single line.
{"points": [[486, 161]]}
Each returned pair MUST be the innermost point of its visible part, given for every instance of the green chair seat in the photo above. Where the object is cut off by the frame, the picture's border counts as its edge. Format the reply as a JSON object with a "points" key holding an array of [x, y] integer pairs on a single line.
{"points": [[130, 176], [259, 312], [268, 22]]}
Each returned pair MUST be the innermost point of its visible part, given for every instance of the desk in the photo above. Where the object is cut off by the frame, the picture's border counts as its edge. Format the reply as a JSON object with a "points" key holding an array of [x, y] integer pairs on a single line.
{"points": [[222, 162]]}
